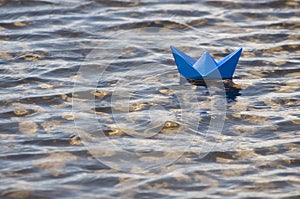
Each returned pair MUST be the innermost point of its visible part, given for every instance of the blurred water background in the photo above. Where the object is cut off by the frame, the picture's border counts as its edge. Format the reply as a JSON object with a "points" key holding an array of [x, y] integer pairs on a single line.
{"points": [[45, 42]]}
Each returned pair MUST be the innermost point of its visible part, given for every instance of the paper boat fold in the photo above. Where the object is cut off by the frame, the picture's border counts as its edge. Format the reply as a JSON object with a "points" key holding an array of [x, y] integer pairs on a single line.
{"points": [[206, 67]]}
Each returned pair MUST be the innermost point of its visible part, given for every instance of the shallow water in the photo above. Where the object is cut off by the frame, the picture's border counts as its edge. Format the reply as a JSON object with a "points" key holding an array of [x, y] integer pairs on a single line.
{"points": [[92, 105]]}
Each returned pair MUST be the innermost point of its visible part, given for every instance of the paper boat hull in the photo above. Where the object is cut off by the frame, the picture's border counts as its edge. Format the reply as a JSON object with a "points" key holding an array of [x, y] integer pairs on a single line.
{"points": [[191, 69]]}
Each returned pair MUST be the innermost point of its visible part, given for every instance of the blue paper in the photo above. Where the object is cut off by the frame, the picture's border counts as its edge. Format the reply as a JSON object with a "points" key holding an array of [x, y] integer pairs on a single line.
{"points": [[206, 67]]}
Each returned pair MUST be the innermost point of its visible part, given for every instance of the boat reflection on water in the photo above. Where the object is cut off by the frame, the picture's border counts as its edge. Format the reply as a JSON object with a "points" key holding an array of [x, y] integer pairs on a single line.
{"points": [[232, 90]]}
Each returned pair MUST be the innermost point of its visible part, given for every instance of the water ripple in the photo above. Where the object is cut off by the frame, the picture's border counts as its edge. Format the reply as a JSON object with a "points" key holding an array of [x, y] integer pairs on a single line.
{"points": [[44, 43]]}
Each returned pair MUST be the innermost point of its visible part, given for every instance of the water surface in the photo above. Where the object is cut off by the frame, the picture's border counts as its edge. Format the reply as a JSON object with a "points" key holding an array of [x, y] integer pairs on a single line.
{"points": [[45, 43]]}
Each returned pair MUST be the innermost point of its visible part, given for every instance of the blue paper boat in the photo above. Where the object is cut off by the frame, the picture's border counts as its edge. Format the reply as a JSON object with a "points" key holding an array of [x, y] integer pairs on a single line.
{"points": [[206, 67]]}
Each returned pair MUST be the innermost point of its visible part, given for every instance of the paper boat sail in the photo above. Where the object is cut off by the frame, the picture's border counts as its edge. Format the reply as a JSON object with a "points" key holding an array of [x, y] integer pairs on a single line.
{"points": [[206, 67]]}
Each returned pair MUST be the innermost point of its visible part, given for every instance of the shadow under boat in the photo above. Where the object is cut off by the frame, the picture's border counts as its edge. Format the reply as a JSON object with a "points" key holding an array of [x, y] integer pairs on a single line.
{"points": [[232, 89]]}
